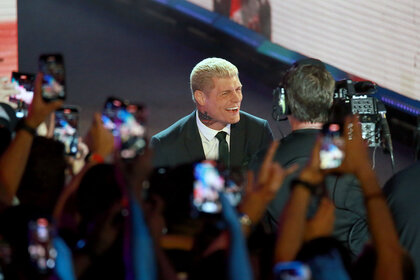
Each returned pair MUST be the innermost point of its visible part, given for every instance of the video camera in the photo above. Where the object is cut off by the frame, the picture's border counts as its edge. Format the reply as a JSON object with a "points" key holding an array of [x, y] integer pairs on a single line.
{"points": [[349, 98], [352, 98]]}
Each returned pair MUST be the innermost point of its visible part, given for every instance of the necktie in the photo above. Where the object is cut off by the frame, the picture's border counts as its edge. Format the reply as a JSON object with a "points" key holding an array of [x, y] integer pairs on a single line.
{"points": [[223, 148]]}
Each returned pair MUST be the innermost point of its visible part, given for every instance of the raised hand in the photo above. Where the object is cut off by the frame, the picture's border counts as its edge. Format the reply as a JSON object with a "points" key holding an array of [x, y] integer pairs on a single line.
{"points": [[356, 156], [322, 223], [270, 178], [100, 140], [39, 109]]}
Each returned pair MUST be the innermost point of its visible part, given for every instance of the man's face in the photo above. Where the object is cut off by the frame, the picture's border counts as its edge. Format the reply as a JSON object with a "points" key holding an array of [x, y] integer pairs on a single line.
{"points": [[223, 102]]}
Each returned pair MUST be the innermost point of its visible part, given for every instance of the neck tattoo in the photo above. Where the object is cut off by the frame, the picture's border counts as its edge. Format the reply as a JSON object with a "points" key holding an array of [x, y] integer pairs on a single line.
{"points": [[205, 118]]}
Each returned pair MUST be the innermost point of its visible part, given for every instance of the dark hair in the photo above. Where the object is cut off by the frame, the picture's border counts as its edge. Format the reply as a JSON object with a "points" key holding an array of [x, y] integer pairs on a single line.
{"points": [[98, 191], [309, 90], [44, 174], [175, 187]]}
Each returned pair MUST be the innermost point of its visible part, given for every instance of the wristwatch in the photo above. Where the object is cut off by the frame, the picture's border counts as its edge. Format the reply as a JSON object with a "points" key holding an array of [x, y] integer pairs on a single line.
{"points": [[24, 126], [245, 220], [315, 189]]}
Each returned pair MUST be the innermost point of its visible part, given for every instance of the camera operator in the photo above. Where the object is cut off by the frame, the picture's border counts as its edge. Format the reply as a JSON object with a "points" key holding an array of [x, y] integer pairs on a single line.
{"points": [[308, 88], [309, 241]]}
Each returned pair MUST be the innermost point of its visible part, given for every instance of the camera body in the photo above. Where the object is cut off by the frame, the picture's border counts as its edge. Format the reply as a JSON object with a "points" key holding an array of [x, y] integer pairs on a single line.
{"points": [[351, 98]]}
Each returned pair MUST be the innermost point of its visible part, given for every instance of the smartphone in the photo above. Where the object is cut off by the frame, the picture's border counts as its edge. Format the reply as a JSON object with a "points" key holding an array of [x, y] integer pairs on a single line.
{"points": [[332, 147], [208, 183], [110, 112], [66, 128], [129, 134], [139, 111], [40, 246], [53, 83], [24, 84]]}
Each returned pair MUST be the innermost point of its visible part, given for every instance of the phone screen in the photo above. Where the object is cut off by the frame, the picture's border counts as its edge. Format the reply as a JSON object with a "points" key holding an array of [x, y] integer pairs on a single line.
{"points": [[331, 153], [129, 134], [294, 270], [65, 129], [53, 84], [40, 248], [24, 84], [207, 185]]}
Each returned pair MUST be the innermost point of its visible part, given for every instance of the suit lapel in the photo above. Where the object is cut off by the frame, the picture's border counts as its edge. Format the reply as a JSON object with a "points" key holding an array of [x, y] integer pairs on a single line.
{"points": [[193, 140], [237, 144]]}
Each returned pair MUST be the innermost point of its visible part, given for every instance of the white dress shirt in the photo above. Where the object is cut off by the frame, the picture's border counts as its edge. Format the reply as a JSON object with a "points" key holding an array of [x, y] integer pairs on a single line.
{"points": [[209, 140]]}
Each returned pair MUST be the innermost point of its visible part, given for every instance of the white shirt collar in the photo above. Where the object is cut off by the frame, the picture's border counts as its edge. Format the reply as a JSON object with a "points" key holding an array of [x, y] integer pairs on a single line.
{"points": [[208, 132]]}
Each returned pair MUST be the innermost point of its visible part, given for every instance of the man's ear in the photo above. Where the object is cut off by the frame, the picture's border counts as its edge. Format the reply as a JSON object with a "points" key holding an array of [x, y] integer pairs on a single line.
{"points": [[200, 97]]}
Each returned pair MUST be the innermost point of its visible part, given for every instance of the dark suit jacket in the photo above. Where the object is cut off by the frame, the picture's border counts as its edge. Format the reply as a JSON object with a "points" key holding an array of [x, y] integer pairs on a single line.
{"points": [[403, 196], [181, 143], [350, 217]]}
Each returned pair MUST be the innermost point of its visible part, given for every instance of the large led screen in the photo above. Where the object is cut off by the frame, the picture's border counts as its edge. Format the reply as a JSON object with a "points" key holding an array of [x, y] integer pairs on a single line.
{"points": [[8, 37], [374, 40]]}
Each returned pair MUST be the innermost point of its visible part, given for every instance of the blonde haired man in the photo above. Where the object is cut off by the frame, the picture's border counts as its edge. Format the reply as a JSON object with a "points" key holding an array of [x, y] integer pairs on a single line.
{"points": [[217, 129]]}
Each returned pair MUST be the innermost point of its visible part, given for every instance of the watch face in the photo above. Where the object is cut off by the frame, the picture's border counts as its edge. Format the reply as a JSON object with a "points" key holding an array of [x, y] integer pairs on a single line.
{"points": [[245, 220]]}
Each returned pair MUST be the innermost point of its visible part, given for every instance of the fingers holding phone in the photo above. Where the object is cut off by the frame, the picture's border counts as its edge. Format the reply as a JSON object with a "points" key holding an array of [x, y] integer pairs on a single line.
{"points": [[39, 109], [100, 140], [354, 149], [331, 154]]}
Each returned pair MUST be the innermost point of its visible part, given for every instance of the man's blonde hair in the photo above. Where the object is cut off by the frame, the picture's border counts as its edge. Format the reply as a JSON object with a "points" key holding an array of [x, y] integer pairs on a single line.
{"points": [[202, 74]]}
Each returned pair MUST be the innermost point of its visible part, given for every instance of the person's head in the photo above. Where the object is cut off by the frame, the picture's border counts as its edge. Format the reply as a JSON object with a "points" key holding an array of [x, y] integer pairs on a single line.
{"points": [[98, 192], [175, 187], [44, 175], [309, 90], [217, 92], [101, 211]]}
